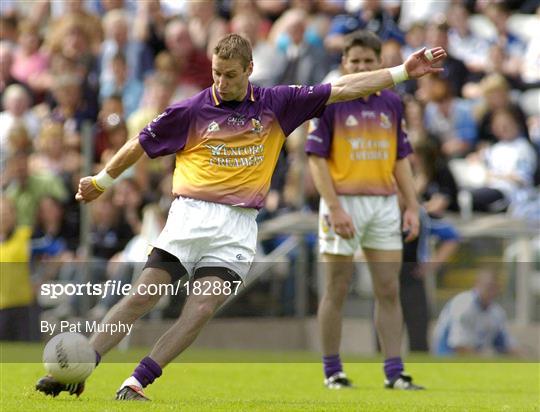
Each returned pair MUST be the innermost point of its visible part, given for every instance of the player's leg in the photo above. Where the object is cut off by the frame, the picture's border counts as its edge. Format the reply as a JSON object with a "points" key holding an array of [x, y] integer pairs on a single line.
{"points": [[221, 256], [130, 308], [161, 268], [382, 246], [384, 266], [338, 271], [197, 311], [337, 263]]}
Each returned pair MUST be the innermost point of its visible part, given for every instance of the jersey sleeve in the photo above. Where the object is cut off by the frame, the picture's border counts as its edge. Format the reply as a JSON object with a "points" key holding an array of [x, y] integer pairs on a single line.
{"points": [[319, 138], [168, 132], [293, 105]]}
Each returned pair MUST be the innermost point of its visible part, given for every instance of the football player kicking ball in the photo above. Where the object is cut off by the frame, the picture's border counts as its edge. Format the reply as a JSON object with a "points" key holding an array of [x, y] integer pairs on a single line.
{"points": [[358, 152], [226, 140]]}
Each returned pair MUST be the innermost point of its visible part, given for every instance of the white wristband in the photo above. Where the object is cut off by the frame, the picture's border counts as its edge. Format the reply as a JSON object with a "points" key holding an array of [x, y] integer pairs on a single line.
{"points": [[399, 74], [103, 180]]}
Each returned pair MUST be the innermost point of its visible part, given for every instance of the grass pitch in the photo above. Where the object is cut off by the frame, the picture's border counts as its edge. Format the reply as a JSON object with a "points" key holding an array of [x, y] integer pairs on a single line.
{"points": [[234, 386]]}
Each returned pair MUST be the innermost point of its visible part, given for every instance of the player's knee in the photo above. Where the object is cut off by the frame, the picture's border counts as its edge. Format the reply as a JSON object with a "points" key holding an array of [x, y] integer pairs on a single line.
{"points": [[337, 291], [141, 301], [206, 308], [388, 293]]}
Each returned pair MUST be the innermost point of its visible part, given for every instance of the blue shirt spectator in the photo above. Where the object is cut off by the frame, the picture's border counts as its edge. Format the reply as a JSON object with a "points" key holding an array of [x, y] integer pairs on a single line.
{"points": [[472, 322]]}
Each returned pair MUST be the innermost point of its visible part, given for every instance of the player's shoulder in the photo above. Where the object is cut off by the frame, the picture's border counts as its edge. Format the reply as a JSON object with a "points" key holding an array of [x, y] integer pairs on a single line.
{"points": [[194, 102], [271, 91], [274, 96]]}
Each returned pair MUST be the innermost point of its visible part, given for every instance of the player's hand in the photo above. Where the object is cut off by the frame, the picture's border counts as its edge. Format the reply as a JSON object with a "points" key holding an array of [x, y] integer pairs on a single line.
{"points": [[419, 64], [411, 224], [342, 223], [87, 191]]}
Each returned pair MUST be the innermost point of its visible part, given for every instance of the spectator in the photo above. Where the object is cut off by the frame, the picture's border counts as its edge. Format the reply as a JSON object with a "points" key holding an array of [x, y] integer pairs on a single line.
{"points": [[52, 156], [448, 118], [414, 119], [165, 65], [268, 63], [102, 7], [73, 62], [496, 92], [66, 11], [415, 38], [194, 68], [130, 88], [30, 63], [138, 57], [157, 96], [149, 25], [414, 13], [305, 63], [53, 240], [455, 70], [6, 78], [250, 7], [437, 189], [463, 44], [108, 236], [128, 197], [116, 134], [72, 39], [473, 323], [110, 105], [70, 108], [372, 16], [530, 70], [26, 190], [16, 295], [511, 44], [8, 28], [205, 25], [17, 139], [17, 104], [272, 9], [510, 165]]}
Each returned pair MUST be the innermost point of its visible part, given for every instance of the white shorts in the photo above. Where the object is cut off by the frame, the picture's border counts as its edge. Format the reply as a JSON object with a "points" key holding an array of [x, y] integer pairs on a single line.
{"points": [[209, 235], [376, 220]]}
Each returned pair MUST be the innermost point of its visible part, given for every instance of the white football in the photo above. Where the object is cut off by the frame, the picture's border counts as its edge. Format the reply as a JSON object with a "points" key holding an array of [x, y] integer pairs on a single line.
{"points": [[69, 358]]}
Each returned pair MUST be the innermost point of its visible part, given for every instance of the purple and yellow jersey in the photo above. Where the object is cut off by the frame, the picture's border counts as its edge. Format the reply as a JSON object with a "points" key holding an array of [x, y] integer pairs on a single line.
{"points": [[226, 153], [361, 140]]}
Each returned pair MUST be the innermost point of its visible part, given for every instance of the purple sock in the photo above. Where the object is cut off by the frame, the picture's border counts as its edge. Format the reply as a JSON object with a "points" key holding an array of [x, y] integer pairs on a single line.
{"points": [[393, 367], [98, 357], [147, 371], [332, 365]]}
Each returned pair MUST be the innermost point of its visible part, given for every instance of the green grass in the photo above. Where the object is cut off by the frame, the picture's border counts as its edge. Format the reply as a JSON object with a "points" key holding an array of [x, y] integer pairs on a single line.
{"points": [[197, 386]]}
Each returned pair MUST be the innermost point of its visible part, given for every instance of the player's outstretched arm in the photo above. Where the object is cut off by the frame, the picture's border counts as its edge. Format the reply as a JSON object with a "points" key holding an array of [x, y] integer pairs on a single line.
{"points": [[353, 86], [91, 187]]}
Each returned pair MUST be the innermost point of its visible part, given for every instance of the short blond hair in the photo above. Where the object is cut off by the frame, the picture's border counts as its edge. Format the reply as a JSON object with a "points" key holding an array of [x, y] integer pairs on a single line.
{"points": [[234, 46], [494, 82]]}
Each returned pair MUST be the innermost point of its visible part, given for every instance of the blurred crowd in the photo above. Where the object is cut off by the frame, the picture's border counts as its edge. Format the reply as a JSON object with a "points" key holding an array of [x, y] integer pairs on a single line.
{"points": [[73, 70]]}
